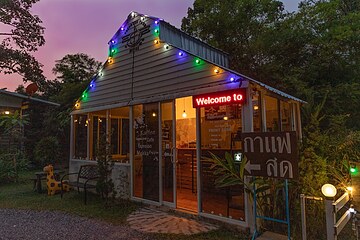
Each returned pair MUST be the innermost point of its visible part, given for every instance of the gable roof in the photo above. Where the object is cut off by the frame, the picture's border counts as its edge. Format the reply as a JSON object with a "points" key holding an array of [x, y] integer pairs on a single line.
{"points": [[21, 96], [151, 60]]}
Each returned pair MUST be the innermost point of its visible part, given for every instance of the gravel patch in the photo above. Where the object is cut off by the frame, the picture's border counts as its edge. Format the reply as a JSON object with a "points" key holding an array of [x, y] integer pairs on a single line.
{"points": [[39, 225]]}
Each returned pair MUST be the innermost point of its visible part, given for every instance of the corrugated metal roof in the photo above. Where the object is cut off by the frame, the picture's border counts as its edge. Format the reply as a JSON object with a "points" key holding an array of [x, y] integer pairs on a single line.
{"points": [[18, 95]]}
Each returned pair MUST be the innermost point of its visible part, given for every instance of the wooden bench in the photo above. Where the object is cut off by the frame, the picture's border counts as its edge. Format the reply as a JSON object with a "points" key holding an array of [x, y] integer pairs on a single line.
{"points": [[86, 177]]}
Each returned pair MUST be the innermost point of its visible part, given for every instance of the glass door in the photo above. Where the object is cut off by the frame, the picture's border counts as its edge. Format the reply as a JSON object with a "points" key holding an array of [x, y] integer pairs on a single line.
{"points": [[168, 153], [186, 162]]}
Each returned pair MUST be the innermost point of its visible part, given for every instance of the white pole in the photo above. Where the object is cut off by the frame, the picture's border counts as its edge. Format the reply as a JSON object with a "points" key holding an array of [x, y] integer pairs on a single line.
{"points": [[330, 220]]}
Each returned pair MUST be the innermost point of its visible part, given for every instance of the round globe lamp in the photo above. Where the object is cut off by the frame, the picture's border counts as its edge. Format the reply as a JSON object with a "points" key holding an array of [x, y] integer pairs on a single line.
{"points": [[328, 190]]}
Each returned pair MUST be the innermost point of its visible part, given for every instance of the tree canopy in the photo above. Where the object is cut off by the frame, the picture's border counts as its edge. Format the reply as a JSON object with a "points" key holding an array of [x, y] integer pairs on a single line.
{"points": [[24, 35]]}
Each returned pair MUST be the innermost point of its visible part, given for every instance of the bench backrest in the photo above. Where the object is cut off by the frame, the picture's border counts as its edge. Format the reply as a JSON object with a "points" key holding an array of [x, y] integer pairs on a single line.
{"points": [[88, 172]]}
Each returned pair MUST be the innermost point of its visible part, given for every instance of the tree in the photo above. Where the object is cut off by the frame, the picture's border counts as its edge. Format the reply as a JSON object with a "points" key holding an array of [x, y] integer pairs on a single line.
{"points": [[75, 68], [24, 36], [238, 27], [74, 73]]}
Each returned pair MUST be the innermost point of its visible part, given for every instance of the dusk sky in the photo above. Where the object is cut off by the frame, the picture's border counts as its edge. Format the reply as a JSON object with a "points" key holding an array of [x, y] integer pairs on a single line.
{"points": [[86, 26]]}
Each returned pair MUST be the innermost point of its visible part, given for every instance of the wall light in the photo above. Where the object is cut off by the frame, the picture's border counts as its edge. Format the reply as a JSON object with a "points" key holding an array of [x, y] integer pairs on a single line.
{"points": [[166, 46], [197, 61], [77, 105], [156, 22], [256, 107], [7, 112], [216, 70], [122, 28], [232, 79], [110, 60], [226, 118], [156, 41], [154, 114], [156, 30], [180, 54]]}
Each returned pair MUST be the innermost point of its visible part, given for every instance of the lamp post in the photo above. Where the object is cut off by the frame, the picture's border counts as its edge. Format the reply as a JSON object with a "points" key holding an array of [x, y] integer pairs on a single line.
{"points": [[329, 192]]}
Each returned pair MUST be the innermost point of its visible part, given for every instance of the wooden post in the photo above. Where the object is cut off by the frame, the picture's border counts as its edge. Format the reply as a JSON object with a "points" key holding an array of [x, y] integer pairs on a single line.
{"points": [[303, 216]]}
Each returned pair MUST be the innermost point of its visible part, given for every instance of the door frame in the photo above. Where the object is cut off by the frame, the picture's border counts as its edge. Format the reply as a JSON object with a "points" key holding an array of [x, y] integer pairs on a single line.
{"points": [[173, 152]]}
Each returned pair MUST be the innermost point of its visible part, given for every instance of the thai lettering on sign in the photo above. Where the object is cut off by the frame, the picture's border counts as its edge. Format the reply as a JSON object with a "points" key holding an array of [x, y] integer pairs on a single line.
{"points": [[271, 154]]}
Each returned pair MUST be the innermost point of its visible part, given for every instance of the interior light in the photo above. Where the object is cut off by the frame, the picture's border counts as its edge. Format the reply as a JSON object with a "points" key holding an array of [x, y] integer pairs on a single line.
{"points": [[256, 107], [7, 112], [180, 54], [156, 41], [184, 115], [226, 118], [166, 46], [216, 70], [154, 114]]}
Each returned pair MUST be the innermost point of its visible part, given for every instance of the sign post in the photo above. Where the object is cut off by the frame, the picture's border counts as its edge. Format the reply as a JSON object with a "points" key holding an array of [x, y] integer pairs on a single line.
{"points": [[275, 155]]}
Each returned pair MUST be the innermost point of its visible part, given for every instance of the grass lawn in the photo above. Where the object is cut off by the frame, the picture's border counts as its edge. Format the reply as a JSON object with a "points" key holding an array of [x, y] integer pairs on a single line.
{"points": [[21, 196]]}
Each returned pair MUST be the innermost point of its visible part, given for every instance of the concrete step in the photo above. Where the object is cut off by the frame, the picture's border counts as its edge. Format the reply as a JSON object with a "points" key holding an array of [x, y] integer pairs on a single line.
{"points": [[271, 236]]}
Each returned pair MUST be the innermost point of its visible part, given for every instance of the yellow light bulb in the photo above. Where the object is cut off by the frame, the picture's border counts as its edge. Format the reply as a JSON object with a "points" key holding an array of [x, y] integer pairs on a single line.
{"points": [[184, 115]]}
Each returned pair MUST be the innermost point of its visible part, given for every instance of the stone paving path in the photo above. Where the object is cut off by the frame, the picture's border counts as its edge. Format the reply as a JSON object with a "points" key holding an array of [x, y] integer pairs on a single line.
{"points": [[154, 221]]}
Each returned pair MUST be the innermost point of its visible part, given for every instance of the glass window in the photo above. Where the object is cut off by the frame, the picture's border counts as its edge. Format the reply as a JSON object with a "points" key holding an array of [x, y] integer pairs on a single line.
{"points": [[125, 137], [272, 114], [146, 159], [98, 132], [80, 136], [256, 102], [221, 127], [114, 131], [285, 110]]}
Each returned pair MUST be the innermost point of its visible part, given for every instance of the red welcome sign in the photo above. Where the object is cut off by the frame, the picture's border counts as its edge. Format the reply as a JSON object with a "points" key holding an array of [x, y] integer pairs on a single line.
{"points": [[234, 96]]}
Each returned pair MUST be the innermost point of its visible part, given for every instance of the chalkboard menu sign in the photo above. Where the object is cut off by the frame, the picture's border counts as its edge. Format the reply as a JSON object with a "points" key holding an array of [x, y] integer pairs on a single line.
{"points": [[147, 147]]}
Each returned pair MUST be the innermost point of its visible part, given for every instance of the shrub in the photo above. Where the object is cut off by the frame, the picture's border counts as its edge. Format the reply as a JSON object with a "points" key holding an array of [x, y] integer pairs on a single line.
{"points": [[10, 165], [47, 151]]}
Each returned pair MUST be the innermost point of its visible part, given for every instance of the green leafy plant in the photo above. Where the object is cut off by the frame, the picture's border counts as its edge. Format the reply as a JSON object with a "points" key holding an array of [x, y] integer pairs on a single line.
{"points": [[47, 151], [105, 186]]}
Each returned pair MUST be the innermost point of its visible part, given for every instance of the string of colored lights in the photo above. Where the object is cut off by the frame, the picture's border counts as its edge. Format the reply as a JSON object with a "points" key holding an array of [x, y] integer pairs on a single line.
{"points": [[113, 50]]}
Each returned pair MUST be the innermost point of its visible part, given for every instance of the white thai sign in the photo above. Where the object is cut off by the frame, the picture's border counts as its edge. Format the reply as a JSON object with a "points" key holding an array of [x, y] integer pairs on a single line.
{"points": [[271, 154]]}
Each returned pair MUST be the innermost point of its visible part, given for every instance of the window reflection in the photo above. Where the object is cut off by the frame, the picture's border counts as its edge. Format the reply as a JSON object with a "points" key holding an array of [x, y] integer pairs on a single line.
{"points": [[220, 133]]}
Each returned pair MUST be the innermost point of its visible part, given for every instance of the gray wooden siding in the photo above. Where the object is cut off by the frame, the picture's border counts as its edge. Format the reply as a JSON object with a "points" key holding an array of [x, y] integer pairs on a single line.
{"points": [[156, 71]]}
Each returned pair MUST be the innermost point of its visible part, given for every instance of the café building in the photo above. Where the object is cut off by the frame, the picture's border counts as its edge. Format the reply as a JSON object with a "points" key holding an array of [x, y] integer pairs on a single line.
{"points": [[166, 100]]}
